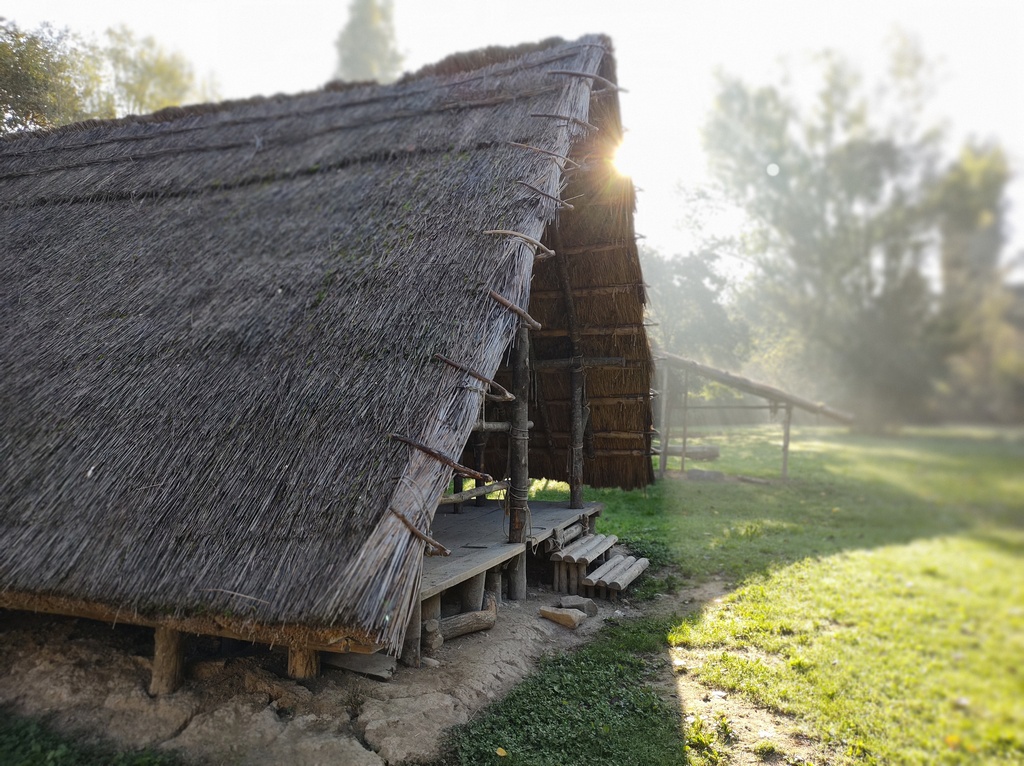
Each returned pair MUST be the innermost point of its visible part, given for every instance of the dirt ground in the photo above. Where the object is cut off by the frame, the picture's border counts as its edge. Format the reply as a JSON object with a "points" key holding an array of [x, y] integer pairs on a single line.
{"points": [[90, 679]]}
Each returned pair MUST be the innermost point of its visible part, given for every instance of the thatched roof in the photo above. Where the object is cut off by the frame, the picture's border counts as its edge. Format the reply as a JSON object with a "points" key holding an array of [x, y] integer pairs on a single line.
{"points": [[213, 319]]}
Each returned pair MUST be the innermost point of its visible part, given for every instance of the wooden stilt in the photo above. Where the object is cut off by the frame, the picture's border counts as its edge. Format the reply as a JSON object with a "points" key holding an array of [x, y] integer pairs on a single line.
{"points": [[431, 608], [303, 662], [168, 661], [471, 593], [492, 584], [517, 578]]}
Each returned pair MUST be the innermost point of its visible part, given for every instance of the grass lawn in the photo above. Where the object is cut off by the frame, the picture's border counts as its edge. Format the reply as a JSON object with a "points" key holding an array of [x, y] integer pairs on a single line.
{"points": [[880, 593], [878, 598]]}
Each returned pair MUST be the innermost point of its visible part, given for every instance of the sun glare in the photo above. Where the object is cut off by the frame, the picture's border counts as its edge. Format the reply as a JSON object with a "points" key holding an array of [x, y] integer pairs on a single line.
{"points": [[625, 159]]}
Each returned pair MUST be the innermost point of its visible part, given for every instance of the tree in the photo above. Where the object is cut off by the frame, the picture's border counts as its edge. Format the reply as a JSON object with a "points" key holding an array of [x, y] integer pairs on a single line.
{"points": [[366, 45], [144, 77], [51, 77], [985, 364], [686, 302], [48, 77], [842, 225]]}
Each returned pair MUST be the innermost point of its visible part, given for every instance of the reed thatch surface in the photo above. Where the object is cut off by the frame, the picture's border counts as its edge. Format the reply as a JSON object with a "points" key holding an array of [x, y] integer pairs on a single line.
{"points": [[213, 319]]}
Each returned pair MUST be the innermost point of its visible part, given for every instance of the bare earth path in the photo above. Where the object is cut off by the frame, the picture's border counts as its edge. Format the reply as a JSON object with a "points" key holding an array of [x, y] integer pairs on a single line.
{"points": [[90, 678]]}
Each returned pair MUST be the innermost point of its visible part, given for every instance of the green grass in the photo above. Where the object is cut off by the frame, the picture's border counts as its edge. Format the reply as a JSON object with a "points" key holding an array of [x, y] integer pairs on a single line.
{"points": [[880, 592], [27, 742], [590, 706]]}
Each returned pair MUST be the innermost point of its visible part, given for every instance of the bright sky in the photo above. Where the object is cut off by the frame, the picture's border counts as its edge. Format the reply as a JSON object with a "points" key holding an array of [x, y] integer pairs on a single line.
{"points": [[667, 53]]}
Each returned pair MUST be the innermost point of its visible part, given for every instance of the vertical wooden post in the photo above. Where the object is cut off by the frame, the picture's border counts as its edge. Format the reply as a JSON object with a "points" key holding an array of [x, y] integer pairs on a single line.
{"points": [[519, 437], [168, 661], [663, 423], [431, 608], [517, 578], [479, 450], [303, 662], [787, 419], [471, 593], [413, 636], [576, 435], [492, 584], [686, 417], [457, 485]]}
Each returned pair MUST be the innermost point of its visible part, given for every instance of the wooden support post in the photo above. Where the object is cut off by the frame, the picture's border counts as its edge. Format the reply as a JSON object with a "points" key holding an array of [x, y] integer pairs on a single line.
{"points": [[479, 450], [573, 584], [517, 578], [303, 662], [431, 608], [471, 593], [519, 440], [576, 435], [168, 661], [430, 614], [492, 584], [457, 486], [413, 635], [663, 424], [787, 419], [686, 417]]}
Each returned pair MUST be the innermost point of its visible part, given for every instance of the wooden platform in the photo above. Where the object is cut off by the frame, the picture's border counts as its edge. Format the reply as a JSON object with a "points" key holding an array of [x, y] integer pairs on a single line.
{"points": [[478, 536]]}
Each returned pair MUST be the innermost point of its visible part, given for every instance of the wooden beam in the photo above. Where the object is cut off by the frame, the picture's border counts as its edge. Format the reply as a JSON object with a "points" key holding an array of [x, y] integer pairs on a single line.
{"points": [[619, 399], [325, 639], [589, 292], [757, 389], [472, 492], [598, 247], [612, 330], [592, 362]]}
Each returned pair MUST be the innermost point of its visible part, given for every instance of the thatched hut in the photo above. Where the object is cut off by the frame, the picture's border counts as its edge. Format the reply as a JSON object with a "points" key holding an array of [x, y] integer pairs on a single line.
{"points": [[244, 343]]}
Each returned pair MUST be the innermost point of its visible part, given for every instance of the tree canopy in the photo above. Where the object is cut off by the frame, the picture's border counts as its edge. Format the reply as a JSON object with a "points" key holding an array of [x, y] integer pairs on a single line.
{"points": [[848, 207], [366, 45], [51, 77], [48, 77]]}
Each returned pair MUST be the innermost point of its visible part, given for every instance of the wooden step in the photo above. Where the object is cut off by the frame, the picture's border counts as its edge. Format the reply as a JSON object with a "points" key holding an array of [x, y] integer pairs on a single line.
{"points": [[608, 569], [585, 550]]}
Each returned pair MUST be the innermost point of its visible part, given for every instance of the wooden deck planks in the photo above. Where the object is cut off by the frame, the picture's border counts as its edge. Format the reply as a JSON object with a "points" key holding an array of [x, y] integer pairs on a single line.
{"points": [[477, 538]]}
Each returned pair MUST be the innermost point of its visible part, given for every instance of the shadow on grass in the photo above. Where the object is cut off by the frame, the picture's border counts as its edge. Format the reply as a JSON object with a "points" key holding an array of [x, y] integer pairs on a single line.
{"points": [[846, 492]]}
